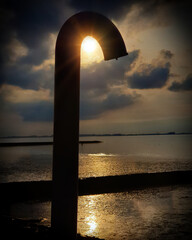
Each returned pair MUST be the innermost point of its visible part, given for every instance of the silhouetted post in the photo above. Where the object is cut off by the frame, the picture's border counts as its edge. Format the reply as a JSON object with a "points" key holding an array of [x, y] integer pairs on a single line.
{"points": [[66, 110]]}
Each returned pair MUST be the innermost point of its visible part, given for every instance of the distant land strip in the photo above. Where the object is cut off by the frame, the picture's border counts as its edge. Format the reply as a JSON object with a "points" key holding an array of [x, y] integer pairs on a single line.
{"points": [[42, 190], [17, 144], [104, 135]]}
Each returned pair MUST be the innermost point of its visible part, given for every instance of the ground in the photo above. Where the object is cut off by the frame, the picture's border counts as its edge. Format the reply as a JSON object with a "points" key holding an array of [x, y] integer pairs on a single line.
{"points": [[29, 229]]}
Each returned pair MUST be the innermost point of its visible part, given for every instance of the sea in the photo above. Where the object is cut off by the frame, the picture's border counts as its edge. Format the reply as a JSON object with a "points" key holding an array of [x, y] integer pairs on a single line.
{"points": [[155, 213]]}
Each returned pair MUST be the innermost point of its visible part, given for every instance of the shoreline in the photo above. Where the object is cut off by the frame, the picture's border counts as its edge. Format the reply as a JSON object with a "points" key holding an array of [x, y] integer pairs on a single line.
{"points": [[104, 134], [42, 190]]}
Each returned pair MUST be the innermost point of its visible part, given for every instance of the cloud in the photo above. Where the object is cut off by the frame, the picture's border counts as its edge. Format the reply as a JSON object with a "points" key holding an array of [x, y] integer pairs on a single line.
{"points": [[28, 105], [31, 23], [103, 75], [166, 54], [186, 85], [28, 32], [12, 124], [29, 96], [41, 110], [25, 76], [103, 84], [35, 111], [93, 108], [16, 50], [13, 94], [116, 101], [154, 75], [118, 9], [33, 20]]}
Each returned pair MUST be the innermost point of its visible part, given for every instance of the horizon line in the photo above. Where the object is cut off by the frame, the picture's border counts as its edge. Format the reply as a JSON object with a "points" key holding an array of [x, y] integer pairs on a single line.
{"points": [[104, 134]]}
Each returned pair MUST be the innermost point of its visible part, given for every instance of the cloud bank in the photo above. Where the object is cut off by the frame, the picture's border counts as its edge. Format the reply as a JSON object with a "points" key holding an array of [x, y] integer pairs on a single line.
{"points": [[154, 75], [185, 85], [27, 41]]}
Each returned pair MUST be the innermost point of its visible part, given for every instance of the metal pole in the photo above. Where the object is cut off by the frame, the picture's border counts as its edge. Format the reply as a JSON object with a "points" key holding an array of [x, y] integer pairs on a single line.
{"points": [[66, 111]]}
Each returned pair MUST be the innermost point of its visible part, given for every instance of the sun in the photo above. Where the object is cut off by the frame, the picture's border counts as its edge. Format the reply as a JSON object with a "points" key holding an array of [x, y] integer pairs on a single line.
{"points": [[91, 52], [89, 44]]}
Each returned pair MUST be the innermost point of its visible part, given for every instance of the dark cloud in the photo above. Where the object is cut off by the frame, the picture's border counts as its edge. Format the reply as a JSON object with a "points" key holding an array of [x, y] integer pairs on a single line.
{"points": [[89, 107], [35, 112], [20, 76], [96, 94], [97, 83], [116, 101], [116, 8], [31, 23], [166, 54], [103, 75], [92, 108], [156, 77], [24, 77], [119, 8], [32, 20], [186, 85]]}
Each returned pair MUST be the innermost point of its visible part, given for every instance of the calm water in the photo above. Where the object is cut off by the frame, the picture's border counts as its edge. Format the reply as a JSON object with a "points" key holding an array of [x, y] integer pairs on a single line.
{"points": [[114, 156], [158, 213]]}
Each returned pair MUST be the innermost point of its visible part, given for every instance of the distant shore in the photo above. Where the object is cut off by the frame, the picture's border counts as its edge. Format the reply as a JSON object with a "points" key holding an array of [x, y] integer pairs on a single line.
{"points": [[134, 134], [104, 135], [39, 143]]}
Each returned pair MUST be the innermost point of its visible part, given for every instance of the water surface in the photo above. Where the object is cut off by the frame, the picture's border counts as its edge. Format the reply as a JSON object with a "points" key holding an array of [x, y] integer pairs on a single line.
{"points": [[157, 213], [114, 156]]}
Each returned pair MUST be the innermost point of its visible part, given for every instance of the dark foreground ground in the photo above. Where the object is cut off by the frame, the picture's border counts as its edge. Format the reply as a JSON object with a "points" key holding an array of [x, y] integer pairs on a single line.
{"points": [[29, 229]]}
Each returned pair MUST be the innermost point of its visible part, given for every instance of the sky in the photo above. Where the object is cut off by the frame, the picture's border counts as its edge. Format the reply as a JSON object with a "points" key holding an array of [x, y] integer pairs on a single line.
{"points": [[145, 92]]}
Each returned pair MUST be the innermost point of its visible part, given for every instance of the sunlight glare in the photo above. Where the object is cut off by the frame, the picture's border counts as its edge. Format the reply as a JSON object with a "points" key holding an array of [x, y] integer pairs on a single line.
{"points": [[91, 222], [90, 52], [89, 44]]}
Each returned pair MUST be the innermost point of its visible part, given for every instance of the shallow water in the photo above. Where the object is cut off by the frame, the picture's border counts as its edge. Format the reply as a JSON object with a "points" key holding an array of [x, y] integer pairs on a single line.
{"points": [[114, 156], [157, 213]]}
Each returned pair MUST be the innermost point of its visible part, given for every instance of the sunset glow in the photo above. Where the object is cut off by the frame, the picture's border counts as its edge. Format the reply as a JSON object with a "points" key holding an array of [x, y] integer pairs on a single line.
{"points": [[90, 52], [89, 44], [136, 94]]}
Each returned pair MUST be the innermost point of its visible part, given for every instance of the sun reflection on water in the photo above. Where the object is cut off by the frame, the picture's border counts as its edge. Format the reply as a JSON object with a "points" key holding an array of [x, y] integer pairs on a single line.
{"points": [[92, 223], [91, 220], [100, 155]]}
